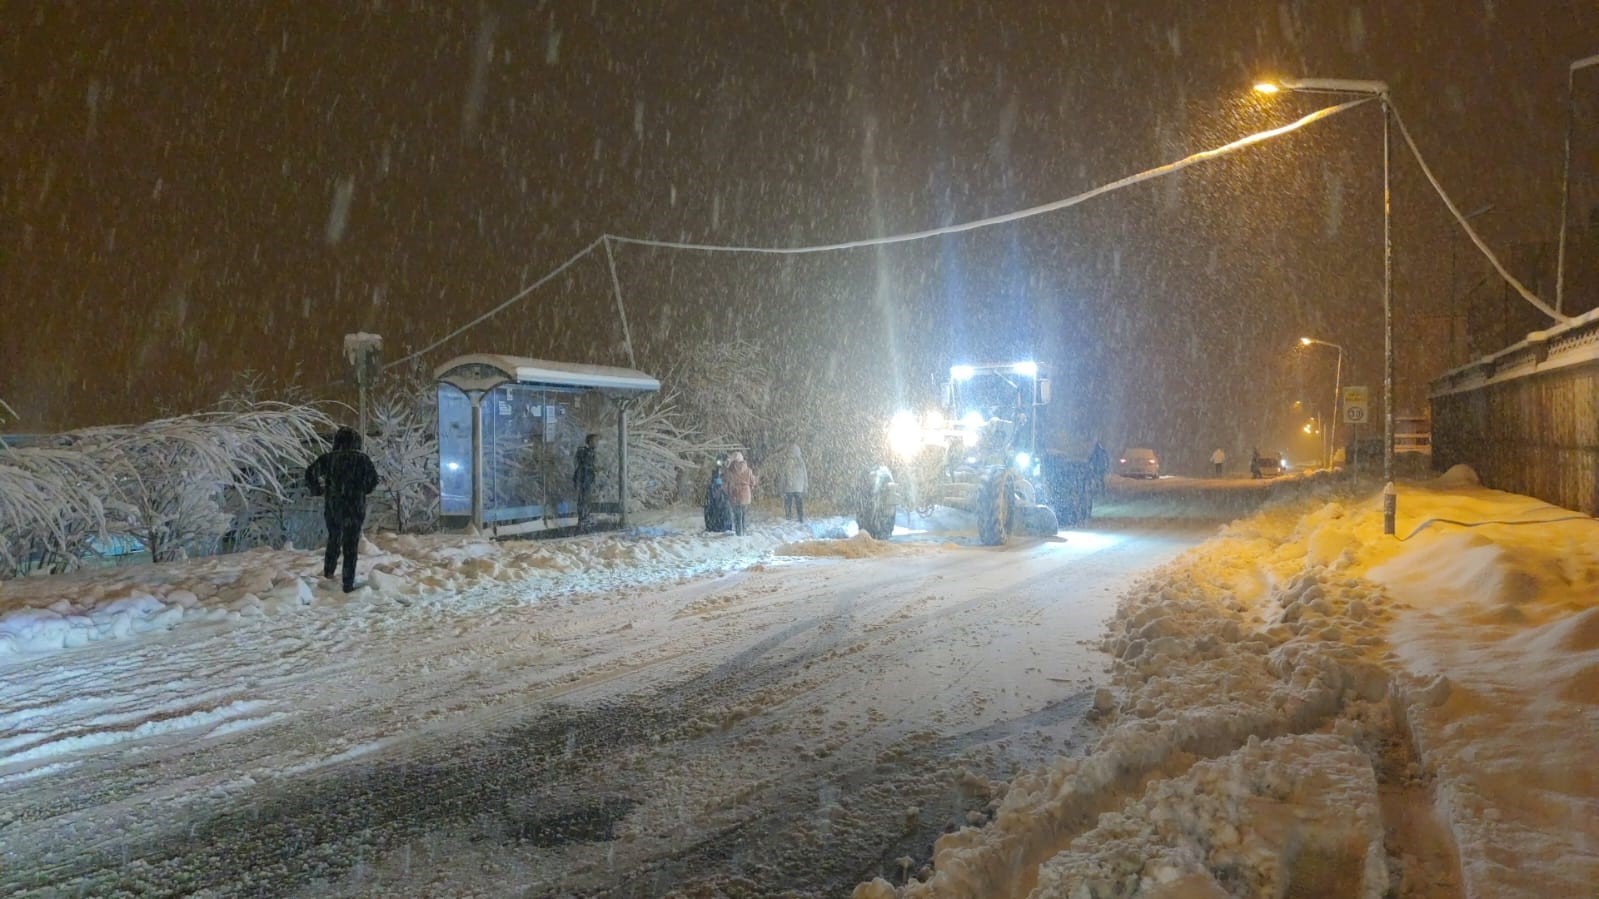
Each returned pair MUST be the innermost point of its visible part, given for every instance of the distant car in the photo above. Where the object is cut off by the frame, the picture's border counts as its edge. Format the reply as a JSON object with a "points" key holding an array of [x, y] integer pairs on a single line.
{"points": [[1138, 462], [1272, 466]]}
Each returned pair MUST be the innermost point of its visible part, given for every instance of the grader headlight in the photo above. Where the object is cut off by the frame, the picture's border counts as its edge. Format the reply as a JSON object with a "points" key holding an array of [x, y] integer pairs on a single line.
{"points": [[904, 435]]}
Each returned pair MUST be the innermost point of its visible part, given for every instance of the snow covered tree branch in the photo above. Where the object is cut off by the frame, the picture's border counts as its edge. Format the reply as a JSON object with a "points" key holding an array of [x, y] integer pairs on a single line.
{"points": [[176, 484]]}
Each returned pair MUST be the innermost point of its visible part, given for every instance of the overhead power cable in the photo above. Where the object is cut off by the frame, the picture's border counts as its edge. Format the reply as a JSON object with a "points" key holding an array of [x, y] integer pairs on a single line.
{"points": [[516, 297], [1118, 184], [1146, 175], [1471, 232]]}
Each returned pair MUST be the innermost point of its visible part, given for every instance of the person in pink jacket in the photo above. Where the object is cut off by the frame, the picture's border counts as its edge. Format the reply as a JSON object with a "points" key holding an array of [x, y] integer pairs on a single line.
{"points": [[740, 481]]}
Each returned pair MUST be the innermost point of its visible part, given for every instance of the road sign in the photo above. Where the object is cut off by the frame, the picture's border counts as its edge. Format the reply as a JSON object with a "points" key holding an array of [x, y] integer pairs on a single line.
{"points": [[1355, 403]]}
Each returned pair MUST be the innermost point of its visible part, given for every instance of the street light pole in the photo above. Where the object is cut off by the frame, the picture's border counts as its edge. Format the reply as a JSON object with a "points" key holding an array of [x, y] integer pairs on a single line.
{"points": [[1378, 90], [1390, 500], [1338, 392], [1565, 176]]}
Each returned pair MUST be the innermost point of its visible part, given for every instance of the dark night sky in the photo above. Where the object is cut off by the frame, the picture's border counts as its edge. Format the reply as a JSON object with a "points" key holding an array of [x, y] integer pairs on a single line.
{"points": [[171, 170]]}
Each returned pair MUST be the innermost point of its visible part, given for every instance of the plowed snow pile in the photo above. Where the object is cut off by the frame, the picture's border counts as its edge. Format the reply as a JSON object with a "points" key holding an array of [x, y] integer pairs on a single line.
{"points": [[1305, 707]]}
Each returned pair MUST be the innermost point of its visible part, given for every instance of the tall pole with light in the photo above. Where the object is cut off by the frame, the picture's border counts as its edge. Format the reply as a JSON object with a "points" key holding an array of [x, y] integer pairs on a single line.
{"points": [[1565, 176], [1338, 392], [1379, 90]]}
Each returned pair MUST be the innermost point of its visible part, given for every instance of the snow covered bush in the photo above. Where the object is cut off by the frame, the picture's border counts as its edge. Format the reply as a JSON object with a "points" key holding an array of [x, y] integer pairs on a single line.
{"points": [[723, 390], [661, 442], [262, 516], [175, 475], [52, 506], [660, 445], [176, 485], [405, 450], [740, 394]]}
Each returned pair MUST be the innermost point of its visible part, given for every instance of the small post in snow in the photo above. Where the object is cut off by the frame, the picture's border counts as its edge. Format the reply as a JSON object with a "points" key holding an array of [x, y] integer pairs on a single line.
{"points": [[621, 460], [361, 351]]}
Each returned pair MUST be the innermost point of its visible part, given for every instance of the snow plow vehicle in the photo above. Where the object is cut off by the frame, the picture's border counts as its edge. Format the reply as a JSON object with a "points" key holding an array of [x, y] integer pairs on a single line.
{"points": [[981, 453]]}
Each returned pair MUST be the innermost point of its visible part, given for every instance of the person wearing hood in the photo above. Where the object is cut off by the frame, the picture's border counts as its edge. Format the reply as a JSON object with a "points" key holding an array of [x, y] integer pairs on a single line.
{"points": [[1099, 464], [718, 513], [740, 480], [795, 482], [342, 477]]}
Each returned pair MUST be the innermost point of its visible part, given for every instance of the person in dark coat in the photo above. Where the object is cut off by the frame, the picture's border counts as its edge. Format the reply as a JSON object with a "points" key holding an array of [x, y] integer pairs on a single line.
{"points": [[718, 511], [583, 475], [1254, 464], [342, 477], [1099, 464]]}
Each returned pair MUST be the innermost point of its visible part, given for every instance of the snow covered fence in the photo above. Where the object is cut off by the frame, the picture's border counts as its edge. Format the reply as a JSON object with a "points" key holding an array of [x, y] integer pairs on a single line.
{"points": [[1525, 418]]}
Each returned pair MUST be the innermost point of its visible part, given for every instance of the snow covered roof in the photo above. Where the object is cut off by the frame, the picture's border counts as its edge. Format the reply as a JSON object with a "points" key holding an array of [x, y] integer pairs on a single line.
{"points": [[561, 374]]}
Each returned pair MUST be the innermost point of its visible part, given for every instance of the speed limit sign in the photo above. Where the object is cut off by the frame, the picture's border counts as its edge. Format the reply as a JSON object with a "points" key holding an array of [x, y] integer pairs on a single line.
{"points": [[1355, 401]]}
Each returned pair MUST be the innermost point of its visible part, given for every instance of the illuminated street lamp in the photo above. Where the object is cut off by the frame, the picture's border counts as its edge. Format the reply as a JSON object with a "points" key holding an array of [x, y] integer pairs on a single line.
{"points": [[1565, 178], [1338, 378], [1379, 90]]}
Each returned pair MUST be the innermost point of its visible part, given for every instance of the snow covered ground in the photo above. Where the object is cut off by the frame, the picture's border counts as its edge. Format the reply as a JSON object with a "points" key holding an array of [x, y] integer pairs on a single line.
{"points": [[1303, 707], [1295, 706], [628, 713]]}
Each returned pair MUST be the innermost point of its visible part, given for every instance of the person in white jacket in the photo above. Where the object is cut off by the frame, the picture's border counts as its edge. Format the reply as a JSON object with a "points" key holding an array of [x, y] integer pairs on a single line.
{"points": [[795, 482], [1216, 460]]}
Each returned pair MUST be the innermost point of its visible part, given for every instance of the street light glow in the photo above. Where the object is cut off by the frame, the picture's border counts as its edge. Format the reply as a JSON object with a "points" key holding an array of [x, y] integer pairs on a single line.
{"points": [[1304, 341], [1323, 86]]}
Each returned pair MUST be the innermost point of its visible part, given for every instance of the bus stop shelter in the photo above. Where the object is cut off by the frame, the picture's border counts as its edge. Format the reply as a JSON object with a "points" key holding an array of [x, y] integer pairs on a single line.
{"points": [[508, 426]]}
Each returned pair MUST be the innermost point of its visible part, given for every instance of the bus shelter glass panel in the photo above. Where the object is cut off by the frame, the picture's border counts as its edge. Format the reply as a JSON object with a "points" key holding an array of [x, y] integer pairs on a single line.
{"points": [[529, 437], [455, 452], [525, 470]]}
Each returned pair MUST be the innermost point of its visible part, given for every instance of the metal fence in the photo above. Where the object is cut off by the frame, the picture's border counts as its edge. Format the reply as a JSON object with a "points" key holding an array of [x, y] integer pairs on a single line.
{"points": [[1527, 417]]}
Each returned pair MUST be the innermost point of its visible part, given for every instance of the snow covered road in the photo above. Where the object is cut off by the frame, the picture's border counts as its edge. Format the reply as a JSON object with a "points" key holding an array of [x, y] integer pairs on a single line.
{"points": [[802, 723]]}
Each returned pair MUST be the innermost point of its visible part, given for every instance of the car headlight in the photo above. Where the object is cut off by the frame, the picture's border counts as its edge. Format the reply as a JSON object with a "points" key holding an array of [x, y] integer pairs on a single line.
{"points": [[1023, 459]]}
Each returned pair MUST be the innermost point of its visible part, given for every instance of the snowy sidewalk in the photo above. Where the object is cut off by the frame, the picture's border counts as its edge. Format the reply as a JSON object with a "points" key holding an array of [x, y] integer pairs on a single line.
{"points": [[1305, 707], [46, 614]]}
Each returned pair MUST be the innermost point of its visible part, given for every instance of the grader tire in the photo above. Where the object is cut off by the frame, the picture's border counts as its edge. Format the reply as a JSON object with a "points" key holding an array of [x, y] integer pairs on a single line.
{"points": [[877, 503], [995, 510]]}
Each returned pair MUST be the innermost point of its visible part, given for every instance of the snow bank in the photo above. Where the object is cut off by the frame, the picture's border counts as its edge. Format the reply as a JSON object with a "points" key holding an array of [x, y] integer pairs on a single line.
{"points": [[1263, 679], [45, 614], [861, 546], [1276, 816]]}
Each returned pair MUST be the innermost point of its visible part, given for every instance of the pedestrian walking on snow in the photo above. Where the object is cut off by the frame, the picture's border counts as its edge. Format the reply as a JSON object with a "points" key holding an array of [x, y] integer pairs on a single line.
{"points": [[795, 482], [342, 477], [1099, 464], [1254, 464], [1216, 460], [740, 481]]}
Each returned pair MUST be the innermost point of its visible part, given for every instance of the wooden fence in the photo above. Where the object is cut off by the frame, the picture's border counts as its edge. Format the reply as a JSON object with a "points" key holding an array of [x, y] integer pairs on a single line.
{"points": [[1527, 417]]}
